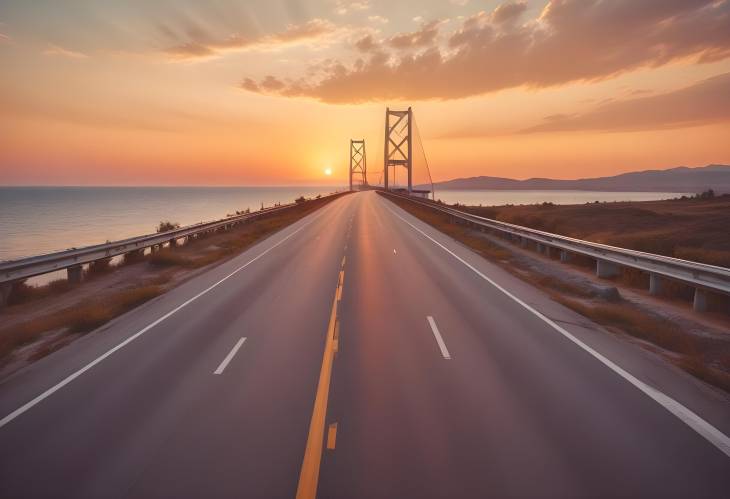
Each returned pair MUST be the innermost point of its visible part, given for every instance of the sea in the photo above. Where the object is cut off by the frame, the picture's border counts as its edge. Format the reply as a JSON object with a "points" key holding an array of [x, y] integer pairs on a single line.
{"points": [[39, 220]]}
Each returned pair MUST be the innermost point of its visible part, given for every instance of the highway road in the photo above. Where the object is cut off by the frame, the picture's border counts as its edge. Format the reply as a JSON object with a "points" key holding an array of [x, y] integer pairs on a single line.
{"points": [[358, 353]]}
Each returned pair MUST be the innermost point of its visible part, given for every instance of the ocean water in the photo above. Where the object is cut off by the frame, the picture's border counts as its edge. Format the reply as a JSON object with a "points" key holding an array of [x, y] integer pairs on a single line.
{"points": [[498, 198], [38, 220]]}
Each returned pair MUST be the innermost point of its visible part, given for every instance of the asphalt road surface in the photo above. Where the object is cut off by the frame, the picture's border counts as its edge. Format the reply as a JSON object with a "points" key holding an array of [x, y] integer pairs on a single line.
{"points": [[358, 353]]}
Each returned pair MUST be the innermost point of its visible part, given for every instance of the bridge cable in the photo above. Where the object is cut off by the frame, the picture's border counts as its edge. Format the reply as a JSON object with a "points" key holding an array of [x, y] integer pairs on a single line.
{"points": [[425, 159]]}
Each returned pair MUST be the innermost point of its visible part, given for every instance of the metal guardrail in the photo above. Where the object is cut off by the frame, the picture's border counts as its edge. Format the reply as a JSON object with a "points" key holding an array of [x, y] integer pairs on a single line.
{"points": [[702, 276], [14, 270]]}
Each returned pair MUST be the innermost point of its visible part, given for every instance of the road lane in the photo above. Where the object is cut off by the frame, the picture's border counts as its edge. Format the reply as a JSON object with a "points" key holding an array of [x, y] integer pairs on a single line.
{"points": [[519, 411], [151, 421]]}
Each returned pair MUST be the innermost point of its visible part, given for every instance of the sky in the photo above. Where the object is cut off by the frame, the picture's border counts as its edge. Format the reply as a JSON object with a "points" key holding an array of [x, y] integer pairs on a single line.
{"points": [[224, 92]]}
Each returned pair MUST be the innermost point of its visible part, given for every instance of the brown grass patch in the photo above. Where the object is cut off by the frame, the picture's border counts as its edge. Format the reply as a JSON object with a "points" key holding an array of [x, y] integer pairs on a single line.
{"points": [[636, 323], [79, 319], [22, 292]]}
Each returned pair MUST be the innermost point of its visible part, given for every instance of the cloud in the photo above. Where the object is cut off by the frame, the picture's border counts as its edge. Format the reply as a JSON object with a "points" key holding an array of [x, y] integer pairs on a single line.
{"points": [[366, 44], [509, 11], [343, 8], [570, 40], [56, 50], [703, 103], [4, 38], [423, 37], [378, 19], [202, 45]]}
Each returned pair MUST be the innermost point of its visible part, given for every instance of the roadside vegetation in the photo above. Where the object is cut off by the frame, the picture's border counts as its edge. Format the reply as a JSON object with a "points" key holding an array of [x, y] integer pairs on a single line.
{"points": [[707, 357], [40, 319], [693, 228], [167, 226]]}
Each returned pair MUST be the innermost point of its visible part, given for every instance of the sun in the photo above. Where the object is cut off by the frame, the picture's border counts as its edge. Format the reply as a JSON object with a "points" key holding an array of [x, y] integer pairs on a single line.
{"points": [[328, 171]]}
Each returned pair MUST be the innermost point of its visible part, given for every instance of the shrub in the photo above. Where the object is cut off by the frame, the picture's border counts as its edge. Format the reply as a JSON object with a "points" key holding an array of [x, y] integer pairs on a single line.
{"points": [[167, 226]]}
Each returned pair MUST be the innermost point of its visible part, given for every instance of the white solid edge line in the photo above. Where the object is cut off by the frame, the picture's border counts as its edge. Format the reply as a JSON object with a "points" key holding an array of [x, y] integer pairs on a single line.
{"points": [[20, 410], [229, 356], [442, 346], [694, 421]]}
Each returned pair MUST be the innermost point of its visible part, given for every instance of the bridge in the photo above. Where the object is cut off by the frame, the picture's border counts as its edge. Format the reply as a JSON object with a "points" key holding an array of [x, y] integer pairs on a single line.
{"points": [[361, 353]]}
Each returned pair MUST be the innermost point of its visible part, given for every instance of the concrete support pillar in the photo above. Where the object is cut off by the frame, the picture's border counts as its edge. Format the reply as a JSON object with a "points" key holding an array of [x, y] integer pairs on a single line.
{"points": [[548, 251], [539, 247], [655, 284], [173, 243], [75, 274], [523, 242], [606, 269], [5, 289], [700, 301]]}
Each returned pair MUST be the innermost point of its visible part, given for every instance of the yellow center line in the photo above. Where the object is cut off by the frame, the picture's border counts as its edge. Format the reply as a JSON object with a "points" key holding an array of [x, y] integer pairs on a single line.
{"points": [[331, 436], [309, 475], [336, 337]]}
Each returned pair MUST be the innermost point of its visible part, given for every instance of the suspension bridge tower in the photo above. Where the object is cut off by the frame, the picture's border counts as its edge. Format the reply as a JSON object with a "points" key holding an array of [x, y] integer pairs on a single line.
{"points": [[358, 162], [398, 144]]}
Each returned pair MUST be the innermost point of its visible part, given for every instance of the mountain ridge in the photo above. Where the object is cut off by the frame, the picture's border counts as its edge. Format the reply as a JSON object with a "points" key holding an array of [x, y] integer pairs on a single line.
{"points": [[676, 179]]}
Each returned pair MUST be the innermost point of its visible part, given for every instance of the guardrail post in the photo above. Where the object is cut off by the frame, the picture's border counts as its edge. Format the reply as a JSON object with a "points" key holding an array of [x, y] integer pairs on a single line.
{"points": [[74, 274], [655, 284], [5, 289], [606, 269], [564, 256], [699, 303]]}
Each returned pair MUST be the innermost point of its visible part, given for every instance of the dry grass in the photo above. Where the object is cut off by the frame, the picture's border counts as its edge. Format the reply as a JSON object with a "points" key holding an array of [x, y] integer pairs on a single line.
{"points": [[692, 229], [22, 292], [555, 284], [636, 323], [78, 319], [99, 267]]}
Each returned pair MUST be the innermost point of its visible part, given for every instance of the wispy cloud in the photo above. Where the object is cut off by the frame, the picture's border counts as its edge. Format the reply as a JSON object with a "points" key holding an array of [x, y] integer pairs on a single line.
{"points": [[378, 19], [201, 45], [423, 37], [344, 7], [570, 40], [704, 103], [57, 50]]}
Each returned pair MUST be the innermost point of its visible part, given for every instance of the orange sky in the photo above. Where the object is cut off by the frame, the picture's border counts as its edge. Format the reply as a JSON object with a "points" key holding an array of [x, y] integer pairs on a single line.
{"points": [[266, 92]]}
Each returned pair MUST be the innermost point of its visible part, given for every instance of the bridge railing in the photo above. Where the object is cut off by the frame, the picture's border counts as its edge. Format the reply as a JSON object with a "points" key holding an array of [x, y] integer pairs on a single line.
{"points": [[73, 259], [609, 259]]}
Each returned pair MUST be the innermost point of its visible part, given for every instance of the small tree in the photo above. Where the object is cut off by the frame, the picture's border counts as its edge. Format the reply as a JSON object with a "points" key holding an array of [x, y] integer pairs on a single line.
{"points": [[167, 226], [300, 199]]}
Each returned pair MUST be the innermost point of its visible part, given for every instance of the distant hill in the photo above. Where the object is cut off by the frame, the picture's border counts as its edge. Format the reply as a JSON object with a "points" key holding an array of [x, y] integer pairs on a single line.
{"points": [[680, 179]]}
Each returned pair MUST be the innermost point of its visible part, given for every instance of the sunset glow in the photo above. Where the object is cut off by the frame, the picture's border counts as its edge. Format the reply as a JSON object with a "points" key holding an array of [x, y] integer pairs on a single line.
{"points": [[264, 93]]}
